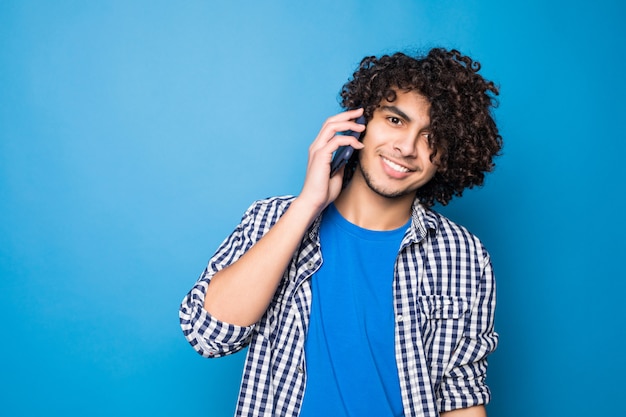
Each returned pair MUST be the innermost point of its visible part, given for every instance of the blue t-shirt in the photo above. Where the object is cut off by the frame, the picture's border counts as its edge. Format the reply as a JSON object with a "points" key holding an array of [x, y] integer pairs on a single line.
{"points": [[350, 352]]}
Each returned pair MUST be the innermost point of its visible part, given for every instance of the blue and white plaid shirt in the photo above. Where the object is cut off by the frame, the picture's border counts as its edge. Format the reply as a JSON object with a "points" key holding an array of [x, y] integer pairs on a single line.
{"points": [[444, 302]]}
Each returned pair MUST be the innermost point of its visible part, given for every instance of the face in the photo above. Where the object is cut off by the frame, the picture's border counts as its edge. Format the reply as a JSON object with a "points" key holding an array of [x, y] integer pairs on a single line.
{"points": [[395, 161]]}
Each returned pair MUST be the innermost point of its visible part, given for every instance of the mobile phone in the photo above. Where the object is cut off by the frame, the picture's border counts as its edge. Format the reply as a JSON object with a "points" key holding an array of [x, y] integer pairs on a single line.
{"points": [[343, 154]]}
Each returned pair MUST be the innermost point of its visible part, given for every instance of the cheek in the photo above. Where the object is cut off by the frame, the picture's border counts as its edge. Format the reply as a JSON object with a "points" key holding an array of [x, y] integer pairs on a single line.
{"points": [[431, 171], [373, 134], [431, 167]]}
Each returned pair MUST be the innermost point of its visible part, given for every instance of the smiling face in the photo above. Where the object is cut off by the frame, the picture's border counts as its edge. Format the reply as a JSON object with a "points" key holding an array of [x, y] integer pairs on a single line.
{"points": [[396, 159]]}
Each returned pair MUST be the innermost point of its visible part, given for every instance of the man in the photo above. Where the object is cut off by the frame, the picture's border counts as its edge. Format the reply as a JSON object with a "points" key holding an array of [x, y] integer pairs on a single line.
{"points": [[355, 298]]}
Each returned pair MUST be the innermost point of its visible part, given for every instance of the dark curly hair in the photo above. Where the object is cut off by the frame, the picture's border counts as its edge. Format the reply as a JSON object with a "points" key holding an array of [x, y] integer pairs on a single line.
{"points": [[463, 132]]}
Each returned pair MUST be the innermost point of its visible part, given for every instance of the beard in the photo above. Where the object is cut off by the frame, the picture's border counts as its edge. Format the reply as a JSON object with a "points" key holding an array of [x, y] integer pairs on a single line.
{"points": [[391, 194]]}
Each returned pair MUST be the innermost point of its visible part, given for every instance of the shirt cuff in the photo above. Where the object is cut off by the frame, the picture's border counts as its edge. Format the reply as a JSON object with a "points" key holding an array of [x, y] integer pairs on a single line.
{"points": [[209, 336]]}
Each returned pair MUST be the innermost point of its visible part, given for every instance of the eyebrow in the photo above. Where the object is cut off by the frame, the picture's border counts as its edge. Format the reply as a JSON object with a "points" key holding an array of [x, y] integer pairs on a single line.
{"points": [[397, 111]]}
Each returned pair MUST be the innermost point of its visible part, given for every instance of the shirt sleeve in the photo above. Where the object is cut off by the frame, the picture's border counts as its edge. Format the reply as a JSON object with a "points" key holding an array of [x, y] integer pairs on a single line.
{"points": [[463, 383], [209, 336]]}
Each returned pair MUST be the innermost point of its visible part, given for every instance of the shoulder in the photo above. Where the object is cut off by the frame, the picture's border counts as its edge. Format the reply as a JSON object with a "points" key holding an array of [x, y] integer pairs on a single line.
{"points": [[279, 203], [267, 210], [454, 235]]}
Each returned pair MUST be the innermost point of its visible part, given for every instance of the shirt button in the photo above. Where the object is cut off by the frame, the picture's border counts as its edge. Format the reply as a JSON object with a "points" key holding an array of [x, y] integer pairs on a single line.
{"points": [[300, 369], [310, 264], [399, 318]]}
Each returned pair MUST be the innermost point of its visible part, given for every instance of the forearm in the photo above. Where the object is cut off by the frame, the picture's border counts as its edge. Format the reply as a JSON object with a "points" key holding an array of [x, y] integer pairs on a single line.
{"points": [[241, 293], [477, 411], [209, 336]]}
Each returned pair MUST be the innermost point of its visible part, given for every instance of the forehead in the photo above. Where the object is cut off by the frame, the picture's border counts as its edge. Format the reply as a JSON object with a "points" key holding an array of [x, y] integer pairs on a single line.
{"points": [[410, 104]]}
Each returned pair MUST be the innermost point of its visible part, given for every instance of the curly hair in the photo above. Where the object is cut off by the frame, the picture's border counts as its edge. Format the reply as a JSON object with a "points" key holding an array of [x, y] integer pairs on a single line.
{"points": [[463, 132]]}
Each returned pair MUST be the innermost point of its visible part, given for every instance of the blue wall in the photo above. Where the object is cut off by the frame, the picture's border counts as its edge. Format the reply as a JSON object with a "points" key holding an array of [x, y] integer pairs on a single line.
{"points": [[133, 134]]}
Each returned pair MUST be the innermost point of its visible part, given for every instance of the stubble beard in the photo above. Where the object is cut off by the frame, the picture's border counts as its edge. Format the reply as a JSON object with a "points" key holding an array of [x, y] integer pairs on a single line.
{"points": [[381, 192]]}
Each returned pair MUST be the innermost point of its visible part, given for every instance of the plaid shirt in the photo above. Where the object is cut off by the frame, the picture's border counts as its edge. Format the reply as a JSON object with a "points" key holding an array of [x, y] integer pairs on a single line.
{"points": [[444, 301]]}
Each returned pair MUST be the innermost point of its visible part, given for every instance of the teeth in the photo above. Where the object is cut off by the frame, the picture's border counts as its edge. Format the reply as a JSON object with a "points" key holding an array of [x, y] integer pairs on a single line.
{"points": [[395, 166]]}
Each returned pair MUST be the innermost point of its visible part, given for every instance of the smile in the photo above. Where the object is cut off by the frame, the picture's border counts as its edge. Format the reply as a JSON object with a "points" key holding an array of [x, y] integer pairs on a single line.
{"points": [[394, 166]]}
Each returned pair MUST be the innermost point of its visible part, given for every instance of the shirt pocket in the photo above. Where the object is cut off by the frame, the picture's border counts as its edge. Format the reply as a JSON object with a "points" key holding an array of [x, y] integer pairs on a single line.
{"points": [[442, 327]]}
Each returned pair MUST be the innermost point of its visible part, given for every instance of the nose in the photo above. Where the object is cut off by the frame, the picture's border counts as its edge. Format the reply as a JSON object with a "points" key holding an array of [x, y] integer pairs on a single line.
{"points": [[406, 144]]}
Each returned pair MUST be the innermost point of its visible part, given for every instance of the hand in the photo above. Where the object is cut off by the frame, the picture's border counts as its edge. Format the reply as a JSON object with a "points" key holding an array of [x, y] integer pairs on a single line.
{"points": [[319, 188]]}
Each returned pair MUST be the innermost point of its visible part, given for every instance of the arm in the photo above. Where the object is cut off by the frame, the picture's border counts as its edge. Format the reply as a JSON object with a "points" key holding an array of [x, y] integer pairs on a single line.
{"points": [[208, 335], [476, 411], [463, 385], [241, 292]]}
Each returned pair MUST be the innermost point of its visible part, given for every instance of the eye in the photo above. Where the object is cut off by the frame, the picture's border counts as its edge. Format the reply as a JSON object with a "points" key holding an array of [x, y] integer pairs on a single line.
{"points": [[394, 120], [426, 137]]}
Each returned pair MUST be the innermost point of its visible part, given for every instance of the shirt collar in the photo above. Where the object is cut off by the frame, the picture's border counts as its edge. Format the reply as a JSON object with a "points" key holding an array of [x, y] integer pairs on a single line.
{"points": [[314, 229], [423, 221]]}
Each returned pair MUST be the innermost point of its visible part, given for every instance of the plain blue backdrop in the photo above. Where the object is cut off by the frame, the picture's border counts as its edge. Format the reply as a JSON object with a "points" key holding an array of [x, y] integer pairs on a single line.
{"points": [[133, 135]]}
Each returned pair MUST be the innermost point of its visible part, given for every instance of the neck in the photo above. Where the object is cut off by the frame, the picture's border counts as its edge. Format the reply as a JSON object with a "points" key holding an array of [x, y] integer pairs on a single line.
{"points": [[361, 206]]}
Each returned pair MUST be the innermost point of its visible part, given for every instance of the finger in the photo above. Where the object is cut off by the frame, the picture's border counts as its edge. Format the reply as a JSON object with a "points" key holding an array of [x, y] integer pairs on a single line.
{"points": [[344, 140], [324, 153], [346, 115], [332, 126]]}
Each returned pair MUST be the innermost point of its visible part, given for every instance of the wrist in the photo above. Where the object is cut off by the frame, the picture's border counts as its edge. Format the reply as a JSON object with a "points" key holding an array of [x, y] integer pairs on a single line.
{"points": [[306, 209]]}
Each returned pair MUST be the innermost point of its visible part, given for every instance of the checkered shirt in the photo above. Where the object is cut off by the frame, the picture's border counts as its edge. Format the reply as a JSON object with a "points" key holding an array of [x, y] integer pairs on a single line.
{"points": [[444, 302]]}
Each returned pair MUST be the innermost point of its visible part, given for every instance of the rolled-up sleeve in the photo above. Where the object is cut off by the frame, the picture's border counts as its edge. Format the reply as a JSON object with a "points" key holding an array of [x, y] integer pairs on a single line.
{"points": [[209, 336], [463, 383]]}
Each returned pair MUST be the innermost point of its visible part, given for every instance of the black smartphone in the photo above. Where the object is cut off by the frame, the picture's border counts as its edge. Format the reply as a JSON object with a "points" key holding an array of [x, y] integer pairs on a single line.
{"points": [[343, 154]]}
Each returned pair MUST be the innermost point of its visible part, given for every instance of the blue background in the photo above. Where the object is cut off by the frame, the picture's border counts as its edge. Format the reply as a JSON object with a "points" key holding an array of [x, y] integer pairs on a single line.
{"points": [[133, 134]]}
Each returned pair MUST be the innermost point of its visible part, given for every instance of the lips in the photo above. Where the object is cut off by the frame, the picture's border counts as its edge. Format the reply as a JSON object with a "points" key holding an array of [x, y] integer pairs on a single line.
{"points": [[396, 167]]}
